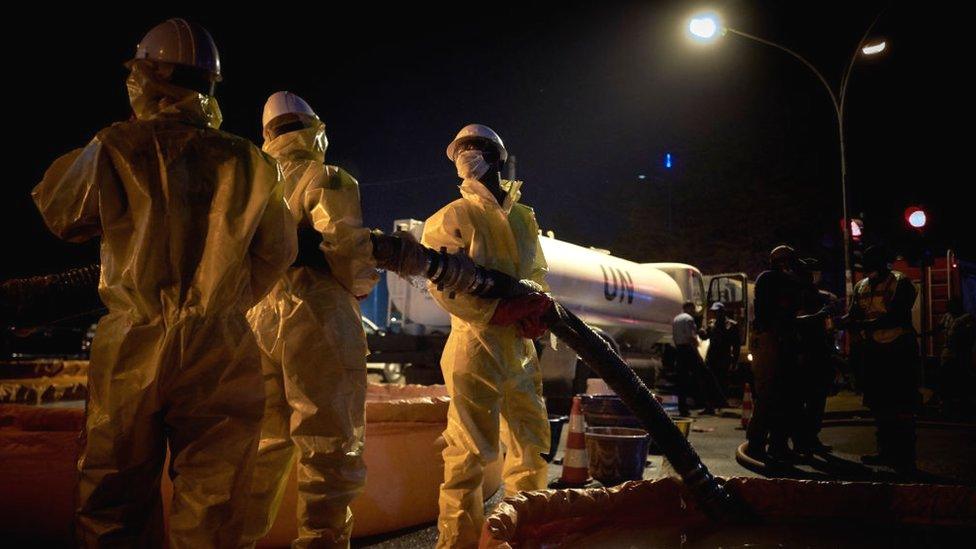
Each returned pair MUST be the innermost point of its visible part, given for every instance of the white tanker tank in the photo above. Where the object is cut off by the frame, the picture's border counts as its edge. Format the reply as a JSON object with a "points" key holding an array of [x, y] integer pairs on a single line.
{"points": [[631, 302]]}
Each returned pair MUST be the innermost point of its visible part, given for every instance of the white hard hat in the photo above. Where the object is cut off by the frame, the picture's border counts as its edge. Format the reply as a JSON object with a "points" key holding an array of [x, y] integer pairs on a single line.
{"points": [[284, 102], [180, 42], [476, 131]]}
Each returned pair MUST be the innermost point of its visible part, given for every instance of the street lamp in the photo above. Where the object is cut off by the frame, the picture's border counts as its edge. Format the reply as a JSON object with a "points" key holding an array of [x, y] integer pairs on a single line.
{"points": [[704, 27], [708, 27], [873, 49]]}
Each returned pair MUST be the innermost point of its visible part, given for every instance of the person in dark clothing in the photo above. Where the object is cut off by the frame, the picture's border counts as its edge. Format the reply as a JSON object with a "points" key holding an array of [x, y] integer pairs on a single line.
{"points": [[956, 365], [723, 349], [774, 347], [880, 316], [815, 371]]}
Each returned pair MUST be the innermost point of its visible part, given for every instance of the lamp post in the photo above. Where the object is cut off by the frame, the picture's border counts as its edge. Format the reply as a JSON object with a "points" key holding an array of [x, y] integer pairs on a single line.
{"points": [[707, 27]]}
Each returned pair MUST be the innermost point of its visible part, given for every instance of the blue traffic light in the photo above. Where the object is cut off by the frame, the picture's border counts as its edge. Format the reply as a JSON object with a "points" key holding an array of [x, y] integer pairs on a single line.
{"points": [[667, 161]]}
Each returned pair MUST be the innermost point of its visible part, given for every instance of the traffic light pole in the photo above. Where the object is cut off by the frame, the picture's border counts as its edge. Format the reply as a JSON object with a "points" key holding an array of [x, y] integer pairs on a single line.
{"points": [[926, 327]]}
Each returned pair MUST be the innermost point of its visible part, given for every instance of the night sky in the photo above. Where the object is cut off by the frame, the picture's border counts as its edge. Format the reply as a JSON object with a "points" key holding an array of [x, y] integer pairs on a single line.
{"points": [[587, 96]]}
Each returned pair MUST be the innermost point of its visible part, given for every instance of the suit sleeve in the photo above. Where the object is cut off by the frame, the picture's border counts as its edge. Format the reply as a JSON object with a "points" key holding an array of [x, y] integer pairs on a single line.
{"points": [[540, 267], [275, 242], [67, 196], [332, 205]]}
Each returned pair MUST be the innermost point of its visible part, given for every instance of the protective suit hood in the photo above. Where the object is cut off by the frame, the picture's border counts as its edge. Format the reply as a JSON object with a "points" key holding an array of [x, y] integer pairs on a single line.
{"points": [[153, 98], [473, 189], [305, 144]]}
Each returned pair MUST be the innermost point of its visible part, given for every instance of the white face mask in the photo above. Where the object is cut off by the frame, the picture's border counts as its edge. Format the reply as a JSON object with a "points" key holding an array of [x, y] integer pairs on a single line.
{"points": [[471, 165]]}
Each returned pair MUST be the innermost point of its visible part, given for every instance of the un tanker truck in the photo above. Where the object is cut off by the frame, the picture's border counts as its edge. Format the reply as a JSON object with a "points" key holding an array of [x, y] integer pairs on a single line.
{"points": [[631, 305]]}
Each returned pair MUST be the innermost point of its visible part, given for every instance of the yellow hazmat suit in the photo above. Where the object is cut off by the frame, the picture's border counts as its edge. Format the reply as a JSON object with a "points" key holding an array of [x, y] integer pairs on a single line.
{"points": [[314, 351], [194, 231], [489, 370]]}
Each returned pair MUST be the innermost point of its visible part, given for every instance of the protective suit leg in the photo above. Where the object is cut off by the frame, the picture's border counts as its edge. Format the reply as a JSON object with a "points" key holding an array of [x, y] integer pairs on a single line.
{"points": [[331, 471], [200, 381], [525, 432], [118, 488], [472, 442], [311, 333], [276, 454], [214, 412], [462, 511], [325, 384]]}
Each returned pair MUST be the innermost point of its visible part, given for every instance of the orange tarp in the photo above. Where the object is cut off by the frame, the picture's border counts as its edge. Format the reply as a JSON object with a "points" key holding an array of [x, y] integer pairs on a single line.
{"points": [[39, 450]]}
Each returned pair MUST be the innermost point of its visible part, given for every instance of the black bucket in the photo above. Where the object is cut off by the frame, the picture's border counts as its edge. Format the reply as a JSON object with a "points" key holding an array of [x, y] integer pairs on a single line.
{"points": [[607, 411], [556, 432]]}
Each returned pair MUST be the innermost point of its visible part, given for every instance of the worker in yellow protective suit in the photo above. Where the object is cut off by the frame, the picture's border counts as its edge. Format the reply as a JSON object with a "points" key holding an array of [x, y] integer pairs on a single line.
{"points": [[194, 231], [489, 364], [311, 335]]}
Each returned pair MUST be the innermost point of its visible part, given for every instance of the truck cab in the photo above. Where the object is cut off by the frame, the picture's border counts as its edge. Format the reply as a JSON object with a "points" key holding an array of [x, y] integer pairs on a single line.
{"points": [[690, 281], [733, 290]]}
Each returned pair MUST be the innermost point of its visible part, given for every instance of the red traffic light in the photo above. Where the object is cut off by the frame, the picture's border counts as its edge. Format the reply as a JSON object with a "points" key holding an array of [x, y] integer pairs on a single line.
{"points": [[916, 217], [856, 228]]}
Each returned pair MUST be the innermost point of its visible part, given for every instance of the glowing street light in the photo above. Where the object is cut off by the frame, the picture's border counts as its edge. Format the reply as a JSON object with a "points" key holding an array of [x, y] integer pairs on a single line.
{"points": [[872, 49], [704, 27]]}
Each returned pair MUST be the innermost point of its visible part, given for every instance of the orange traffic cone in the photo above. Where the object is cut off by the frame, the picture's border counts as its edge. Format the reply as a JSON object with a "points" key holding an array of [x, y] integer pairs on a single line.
{"points": [[575, 462], [746, 406]]}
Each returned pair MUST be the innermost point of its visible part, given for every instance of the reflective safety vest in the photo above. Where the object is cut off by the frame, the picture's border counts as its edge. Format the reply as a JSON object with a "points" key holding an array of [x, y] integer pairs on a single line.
{"points": [[874, 302]]}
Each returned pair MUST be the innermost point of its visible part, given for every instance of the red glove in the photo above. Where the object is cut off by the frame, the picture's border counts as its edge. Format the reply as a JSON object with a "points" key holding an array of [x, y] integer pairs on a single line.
{"points": [[532, 327], [526, 312]]}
